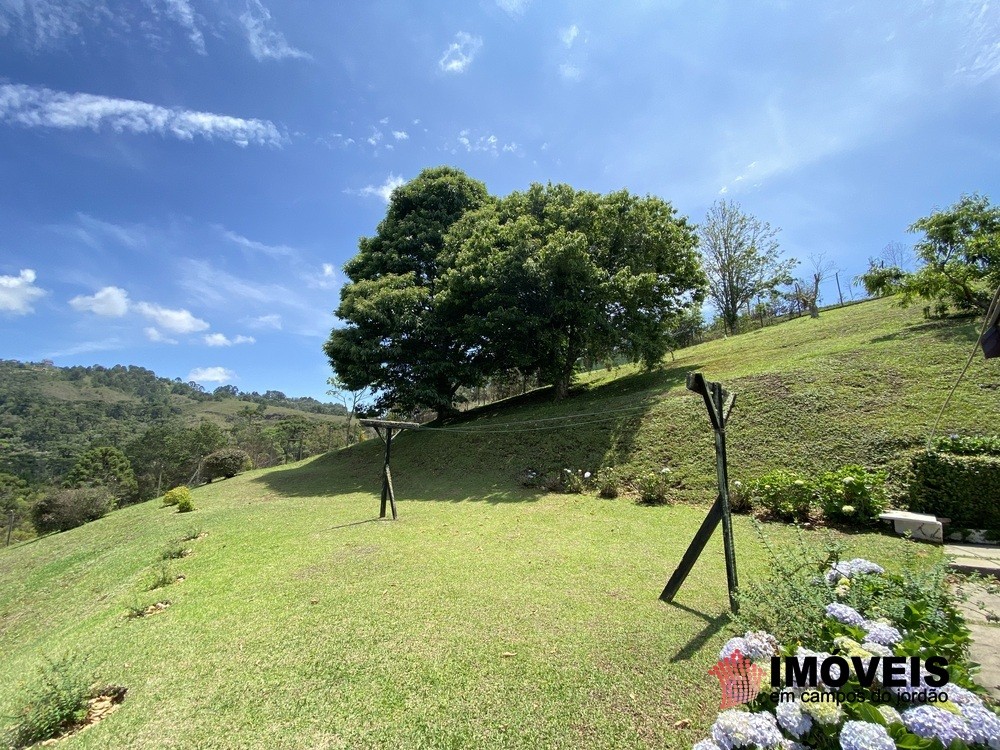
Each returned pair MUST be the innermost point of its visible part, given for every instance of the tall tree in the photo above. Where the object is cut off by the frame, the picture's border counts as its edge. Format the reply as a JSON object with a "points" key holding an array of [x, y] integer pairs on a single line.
{"points": [[959, 258], [393, 339], [547, 276], [106, 467], [741, 259]]}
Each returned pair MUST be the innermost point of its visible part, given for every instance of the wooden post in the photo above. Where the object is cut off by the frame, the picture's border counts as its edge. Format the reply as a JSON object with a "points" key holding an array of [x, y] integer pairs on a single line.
{"points": [[10, 526], [719, 405], [839, 293], [388, 494]]}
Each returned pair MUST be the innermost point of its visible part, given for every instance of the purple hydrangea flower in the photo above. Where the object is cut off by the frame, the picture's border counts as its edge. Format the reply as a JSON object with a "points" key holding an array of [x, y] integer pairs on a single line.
{"points": [[931, 722], [862, 735], [851, 568], [706, 745], [983, 723], [760, 645], [735, 729], [960, 696], [880, 632], [843, 613], [792, 719], [738, 643]]}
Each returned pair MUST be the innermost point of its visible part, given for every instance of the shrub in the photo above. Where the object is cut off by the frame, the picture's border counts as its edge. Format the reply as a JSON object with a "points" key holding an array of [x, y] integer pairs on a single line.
{"points": [[227, 462], [782, 495], [55, 702], [963, 488], [969, 446], [173, 551], [853, 495], [185, 504], [653, 486], [174, 496], [162, 577], [65, 509], [608, 483], [575, 482]]}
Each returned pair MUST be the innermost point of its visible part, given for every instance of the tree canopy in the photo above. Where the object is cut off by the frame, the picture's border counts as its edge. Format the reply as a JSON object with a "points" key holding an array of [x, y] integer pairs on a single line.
{"points": [[394, 340], [741, 259], [958, 256]]}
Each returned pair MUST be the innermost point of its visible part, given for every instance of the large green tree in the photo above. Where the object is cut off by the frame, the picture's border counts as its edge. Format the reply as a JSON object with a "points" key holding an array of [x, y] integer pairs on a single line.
{"points": [[109, 468], [394, 339], [544, 277], [959, 258]]}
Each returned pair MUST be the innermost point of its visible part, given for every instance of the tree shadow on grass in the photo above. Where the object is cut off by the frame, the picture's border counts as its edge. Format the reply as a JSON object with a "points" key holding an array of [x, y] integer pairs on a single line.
{"points": [[482, 454], [713, 624], [961, 329]]}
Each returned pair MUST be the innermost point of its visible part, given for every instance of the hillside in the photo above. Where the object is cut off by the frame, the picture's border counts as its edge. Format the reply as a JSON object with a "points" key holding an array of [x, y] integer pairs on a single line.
{"points": [[492, 614]]}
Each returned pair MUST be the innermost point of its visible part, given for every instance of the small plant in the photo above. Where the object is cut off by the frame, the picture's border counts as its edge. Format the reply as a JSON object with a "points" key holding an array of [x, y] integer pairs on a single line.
{"points": [[739, 500], [174, 552], [185, 505], [227, 462], [176, 495], [162, 577], [191, 534], [653, 486], [553, 482], [608, 483], [55, 702], [781, 495], [853, 495], [575, 482]]}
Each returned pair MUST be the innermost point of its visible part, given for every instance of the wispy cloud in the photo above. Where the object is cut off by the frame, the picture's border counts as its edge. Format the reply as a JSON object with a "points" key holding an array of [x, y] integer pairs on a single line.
{"points": [[383, 191], [981, 48], [211, 375], [488, 143], [265, 321], [18, 293], [155, 336], [175, 321], [41, 23], [111, 301], [514, 7], [570, 72], [460, 53], [266, 43], [84, 347], [32, 107], [220, 339], [181, 12], [569, 35], [253, 246], [400, 135]]}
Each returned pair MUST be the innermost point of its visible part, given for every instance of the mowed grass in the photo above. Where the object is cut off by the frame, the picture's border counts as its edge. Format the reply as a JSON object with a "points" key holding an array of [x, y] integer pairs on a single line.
{"points": [[531, 621], [490, 615]]}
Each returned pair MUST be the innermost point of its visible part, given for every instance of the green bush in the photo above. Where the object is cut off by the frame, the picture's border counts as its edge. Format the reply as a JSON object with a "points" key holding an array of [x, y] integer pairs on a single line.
{"points": [[65, 509], [608, 483], [969, 446], [185, 504], [852, 494], [780, 494], [227, 462], [962, 488], [54, 702], [174, 496], [653, 487]]}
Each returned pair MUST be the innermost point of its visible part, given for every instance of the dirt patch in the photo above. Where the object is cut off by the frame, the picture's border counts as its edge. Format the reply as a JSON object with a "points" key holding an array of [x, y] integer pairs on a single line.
{"points": [[106, 701], [152, 609]]}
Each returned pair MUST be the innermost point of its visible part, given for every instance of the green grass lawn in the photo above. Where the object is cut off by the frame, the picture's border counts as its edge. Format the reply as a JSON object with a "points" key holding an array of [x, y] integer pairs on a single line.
{"points": [[527, 621], [490, 615]]}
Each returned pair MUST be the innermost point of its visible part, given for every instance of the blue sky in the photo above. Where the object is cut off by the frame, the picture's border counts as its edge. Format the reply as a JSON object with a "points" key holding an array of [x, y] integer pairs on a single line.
{"points": [[181, 181]]}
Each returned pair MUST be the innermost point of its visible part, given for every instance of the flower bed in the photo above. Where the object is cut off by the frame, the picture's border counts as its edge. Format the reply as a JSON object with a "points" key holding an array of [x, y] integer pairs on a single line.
{"points": [[917, 702]]}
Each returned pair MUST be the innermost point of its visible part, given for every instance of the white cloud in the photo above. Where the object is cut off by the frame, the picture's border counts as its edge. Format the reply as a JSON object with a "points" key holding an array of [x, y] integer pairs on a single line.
{"points": [[211, 375], [31, 106], [384, 121], [265, 321], [400, 135], [329, 270], [183, 14], [569, 35], [275, 251], [18, 293], [111, 301], [570, 72], [489, 144], [175, 321], [154, 335], [383, 191], [514, 7], [43, 22], [265, 43], [460, 53], [220, 339]]}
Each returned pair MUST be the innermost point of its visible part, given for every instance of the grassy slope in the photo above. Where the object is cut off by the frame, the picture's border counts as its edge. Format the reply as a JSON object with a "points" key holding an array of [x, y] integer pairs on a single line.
{"points": [[405, 644]]}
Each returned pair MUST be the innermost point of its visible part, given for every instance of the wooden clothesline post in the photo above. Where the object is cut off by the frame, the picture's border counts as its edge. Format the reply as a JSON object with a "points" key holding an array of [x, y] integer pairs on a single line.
{"points": [[389, 427], [720, 404]]}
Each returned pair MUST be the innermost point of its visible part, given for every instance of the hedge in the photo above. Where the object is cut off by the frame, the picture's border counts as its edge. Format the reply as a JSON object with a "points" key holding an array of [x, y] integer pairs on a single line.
{"points": [[965, 489]]}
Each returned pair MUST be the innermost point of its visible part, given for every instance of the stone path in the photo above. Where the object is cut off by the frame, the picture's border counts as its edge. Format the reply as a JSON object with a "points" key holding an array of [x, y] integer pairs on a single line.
{"points": [[985, 649]]}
